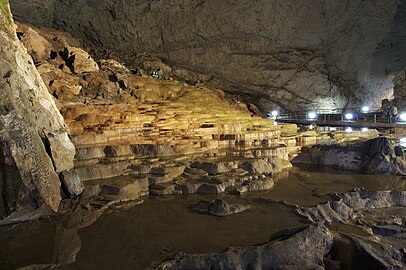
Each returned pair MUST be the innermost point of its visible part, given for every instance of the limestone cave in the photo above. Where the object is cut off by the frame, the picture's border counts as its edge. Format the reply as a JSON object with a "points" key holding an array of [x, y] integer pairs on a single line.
{"points": [[203, 134]]}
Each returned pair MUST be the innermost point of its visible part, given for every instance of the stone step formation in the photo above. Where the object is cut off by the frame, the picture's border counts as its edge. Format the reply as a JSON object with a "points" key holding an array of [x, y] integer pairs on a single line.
{"points": [[137, 134]]}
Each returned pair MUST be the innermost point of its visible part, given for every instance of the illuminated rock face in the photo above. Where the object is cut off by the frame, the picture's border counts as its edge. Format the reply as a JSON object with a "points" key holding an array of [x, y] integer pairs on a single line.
{"points": [[34, 144], [292, 54], [136, 134]]}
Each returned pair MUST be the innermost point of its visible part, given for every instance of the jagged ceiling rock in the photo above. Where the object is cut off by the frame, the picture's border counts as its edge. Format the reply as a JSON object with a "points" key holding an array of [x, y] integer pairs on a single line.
{"points": [[288, 53], [34, 144]]}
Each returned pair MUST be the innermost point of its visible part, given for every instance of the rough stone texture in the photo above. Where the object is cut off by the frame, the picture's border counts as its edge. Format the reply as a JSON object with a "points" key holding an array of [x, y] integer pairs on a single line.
{"points": [[71, 183], [37, 46], [400, 91], [80, 60], [367, 253], [350, 204], [303, 250], [29, 120], [293, 54], [376, 156], [219, 208]]}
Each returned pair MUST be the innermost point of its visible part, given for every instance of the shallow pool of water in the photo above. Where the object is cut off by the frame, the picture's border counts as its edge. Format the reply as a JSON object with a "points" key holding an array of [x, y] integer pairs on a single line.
{"points": [[143, 235]]}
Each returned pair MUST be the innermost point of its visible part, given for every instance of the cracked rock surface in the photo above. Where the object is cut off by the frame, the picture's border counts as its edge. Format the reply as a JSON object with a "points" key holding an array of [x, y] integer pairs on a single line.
{"points": [[375, 156], [34, 144], [303, 250], [293, 54]]}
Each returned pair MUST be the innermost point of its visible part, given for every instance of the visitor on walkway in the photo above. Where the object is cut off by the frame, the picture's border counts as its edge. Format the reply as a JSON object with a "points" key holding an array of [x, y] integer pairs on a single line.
{"points": [[393, 113]]}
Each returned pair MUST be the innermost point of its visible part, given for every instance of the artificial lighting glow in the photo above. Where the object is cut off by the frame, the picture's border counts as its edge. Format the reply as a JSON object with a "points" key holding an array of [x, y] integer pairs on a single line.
{"points": [[365, 109], [312, 115], [274, 113], [275, 123], [348, 129], [349, 116], [402, 116], [403, 140], [311, 127], [333, 129], [364, 129]]}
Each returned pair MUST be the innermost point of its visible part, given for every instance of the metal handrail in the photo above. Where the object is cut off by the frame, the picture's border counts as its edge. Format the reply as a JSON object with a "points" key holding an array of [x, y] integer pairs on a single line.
{"points": [[338, 114]]}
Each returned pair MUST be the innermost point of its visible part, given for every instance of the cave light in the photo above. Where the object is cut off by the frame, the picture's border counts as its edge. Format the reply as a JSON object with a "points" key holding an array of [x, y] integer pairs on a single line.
{"points": [[312, 115], [349, 116], [403, 116], [365, 109], [403, 142], [348, 129], [274, 114]]}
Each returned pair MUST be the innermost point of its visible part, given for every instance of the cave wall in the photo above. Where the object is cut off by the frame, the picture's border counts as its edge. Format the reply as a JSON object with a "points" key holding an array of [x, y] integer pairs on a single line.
{"points": [[34, 143], [288, 53]]}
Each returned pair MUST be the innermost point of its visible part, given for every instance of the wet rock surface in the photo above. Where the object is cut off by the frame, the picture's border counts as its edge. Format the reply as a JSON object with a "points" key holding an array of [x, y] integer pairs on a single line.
{"points": [[376, 156], [303, 250], [219, 208], [106, 209], [349, 205], [139, 132]]}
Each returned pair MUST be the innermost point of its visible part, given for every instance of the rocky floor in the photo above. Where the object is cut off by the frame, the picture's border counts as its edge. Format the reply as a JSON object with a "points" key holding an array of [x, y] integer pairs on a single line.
{"points": [[159, 233]]}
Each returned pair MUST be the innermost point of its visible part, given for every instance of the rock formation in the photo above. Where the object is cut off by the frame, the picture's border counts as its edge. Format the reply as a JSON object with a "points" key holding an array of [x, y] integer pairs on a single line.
{"points": [[146, 133], [291, 54], [219, 208], [304, 250], [34, 142], [400, 91], [350, 204], [376, 156]]}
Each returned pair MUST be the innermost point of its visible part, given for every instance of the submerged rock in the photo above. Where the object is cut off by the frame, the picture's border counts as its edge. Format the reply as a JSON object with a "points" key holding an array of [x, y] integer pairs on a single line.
{"points": [[350, 203], [376, 156], [219, 208], [303, 250]]}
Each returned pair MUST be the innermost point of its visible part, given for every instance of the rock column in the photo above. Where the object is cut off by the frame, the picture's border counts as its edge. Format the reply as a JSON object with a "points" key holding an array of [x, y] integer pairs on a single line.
{"points": [[34, 143]]}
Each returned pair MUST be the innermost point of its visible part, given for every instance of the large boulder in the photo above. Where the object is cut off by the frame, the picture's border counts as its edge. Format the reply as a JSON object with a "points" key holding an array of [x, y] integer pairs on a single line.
{"points": [[31, 127], [37, 46], [303, 250], [376, 156], [350, 204]]}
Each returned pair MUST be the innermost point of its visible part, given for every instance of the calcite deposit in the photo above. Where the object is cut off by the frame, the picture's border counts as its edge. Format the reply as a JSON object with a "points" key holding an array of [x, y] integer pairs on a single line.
{"points": [[162, 135]]}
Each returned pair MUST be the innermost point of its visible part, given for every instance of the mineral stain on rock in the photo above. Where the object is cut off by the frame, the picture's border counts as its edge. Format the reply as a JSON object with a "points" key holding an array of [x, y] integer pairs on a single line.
{"points": [[110, 147]]}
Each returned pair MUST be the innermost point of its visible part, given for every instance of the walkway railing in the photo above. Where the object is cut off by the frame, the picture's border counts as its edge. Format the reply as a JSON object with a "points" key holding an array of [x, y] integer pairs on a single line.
{"points": [[345, 115]]}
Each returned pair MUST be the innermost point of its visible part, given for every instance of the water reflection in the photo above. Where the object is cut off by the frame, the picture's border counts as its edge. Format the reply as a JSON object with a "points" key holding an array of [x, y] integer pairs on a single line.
{"points": [[138, 237]]}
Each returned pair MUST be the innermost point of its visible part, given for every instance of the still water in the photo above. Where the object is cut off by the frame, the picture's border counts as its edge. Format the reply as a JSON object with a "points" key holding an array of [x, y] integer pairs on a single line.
{"points": [[143, 235]]}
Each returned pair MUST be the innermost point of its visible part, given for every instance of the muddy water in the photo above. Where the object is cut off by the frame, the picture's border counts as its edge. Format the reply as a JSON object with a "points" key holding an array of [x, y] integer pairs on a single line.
{"points": [[138, 237]]}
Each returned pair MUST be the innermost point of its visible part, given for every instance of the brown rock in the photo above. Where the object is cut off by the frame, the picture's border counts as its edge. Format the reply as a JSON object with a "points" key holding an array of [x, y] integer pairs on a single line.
{"points": [[80, 61], [28, 113], [71, 184], [37, 46]]}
